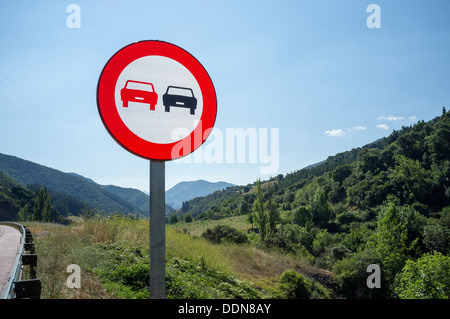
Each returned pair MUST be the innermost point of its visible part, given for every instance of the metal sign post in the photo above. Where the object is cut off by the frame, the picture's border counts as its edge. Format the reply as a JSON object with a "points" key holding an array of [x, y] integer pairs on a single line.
{"points": [[157, 230]]}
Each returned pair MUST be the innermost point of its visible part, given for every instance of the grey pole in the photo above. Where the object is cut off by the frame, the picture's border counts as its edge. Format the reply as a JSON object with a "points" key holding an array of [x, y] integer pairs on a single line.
{"points": [[157, 230]]}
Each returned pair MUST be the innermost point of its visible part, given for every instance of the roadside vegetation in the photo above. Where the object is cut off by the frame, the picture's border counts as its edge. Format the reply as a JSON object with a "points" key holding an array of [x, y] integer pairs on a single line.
{"points": [[113, 256]]}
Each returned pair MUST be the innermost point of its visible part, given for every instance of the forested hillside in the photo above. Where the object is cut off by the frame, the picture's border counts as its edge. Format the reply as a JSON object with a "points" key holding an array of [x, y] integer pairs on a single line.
{"points": [[34, 203], [387, 203], [80, 188]]}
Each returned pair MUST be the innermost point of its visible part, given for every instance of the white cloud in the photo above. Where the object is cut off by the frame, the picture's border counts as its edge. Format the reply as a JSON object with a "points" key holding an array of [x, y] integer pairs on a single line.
{"points": [[391, 118], [413, 118], [360, 128], [337, 133], [383, 126]]}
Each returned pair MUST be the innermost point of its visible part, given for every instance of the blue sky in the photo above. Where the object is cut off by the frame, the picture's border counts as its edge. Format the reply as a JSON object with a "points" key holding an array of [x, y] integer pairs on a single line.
{"points": [[311, 69]]}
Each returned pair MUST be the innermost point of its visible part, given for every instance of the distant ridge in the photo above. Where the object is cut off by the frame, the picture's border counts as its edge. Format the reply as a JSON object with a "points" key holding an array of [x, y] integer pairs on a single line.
{"points": [[185, 191]]}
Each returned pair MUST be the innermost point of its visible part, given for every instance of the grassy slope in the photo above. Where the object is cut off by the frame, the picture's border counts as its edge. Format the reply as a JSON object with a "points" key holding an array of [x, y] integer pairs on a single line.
{"points": [[260, 267], [105, 249]]}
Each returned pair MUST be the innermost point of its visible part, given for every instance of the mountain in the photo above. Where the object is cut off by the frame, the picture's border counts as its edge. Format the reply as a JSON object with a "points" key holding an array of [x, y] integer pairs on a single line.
{"points": [[185, 191], [411, 164], [131, 195], [98, 197], [134, 196]]}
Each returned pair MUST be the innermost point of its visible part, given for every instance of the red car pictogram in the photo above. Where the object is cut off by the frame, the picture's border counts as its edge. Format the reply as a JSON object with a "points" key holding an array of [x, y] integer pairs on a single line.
{"points": [[141, 92]]}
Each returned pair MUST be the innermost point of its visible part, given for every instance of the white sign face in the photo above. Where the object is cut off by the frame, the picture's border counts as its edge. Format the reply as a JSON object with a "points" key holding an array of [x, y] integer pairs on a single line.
{"points": [[176, 93]]}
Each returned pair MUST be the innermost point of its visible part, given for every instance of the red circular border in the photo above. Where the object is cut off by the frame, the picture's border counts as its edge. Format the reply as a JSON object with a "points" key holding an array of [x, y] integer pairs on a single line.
{"points": [[121, 133]]}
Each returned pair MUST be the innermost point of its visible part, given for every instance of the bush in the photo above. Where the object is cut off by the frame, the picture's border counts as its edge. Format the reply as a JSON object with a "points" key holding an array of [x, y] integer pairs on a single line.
{"points": [[188, 280], [426, 278], [173, 219], [351, 275], [226, 233], [188, 218], [294, 286], [437, 238], [322, 239], [445, 216], [297, 235], [277, 241]]}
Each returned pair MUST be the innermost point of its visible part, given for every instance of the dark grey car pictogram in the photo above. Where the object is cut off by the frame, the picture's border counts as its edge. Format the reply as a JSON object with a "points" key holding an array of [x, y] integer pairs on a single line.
{"points": [[179, 97]]}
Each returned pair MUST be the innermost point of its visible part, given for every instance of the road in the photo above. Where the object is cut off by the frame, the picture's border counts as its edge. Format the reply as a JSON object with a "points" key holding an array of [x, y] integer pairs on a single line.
{"points": [[9, 247]]}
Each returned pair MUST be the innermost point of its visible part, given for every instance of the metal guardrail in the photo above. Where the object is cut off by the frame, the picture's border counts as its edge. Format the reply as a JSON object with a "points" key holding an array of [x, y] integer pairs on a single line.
{"points": [[15, 287]]}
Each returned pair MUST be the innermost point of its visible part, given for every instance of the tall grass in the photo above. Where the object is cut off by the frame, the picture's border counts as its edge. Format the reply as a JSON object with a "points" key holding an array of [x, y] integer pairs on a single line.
{"points": [[59, 246], [115, 249], [195, 249]]}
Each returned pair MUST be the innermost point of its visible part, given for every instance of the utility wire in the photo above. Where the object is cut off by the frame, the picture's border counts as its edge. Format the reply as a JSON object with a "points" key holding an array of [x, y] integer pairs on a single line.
{"points": [[43, 122]]}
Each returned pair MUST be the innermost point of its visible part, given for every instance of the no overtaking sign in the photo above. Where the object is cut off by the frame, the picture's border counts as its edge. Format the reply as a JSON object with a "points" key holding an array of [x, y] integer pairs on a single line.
{"points": [[156, 100]]}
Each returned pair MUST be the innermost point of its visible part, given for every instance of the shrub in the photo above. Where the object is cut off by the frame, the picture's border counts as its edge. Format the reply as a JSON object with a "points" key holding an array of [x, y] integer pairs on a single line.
{"points": [[426, 278], [188, 218], [351, 275], [323, 239], [297, 235], [445, 216], [188, 280], [302, 216], [276, 240], [294, 286], [437, 238], [226, 233], [173, 219]]}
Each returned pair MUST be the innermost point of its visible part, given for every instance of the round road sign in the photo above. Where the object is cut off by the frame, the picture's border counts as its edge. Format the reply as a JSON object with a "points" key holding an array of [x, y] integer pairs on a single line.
{"points": [[156, 100]]}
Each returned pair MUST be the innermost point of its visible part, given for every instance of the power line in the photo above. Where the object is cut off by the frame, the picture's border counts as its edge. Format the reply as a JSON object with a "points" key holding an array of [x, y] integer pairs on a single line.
{"points": [[42, 121]]}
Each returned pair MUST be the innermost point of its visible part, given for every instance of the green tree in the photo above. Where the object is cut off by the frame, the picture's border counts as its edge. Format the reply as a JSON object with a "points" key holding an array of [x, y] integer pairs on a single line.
{"points": [[322, 239], [244, 209], [370, 160], [437, 238], [445, 216], [410, 181], [173, 219], [273, 216], [426, 278], [47, 209], [259, 212], [188, 218], [23, 214], [250, 218], [185, 206], [390, 241], [440, 140], [351, 275], [320, 208], [341, 173], [39, 204], [302, 216]]}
